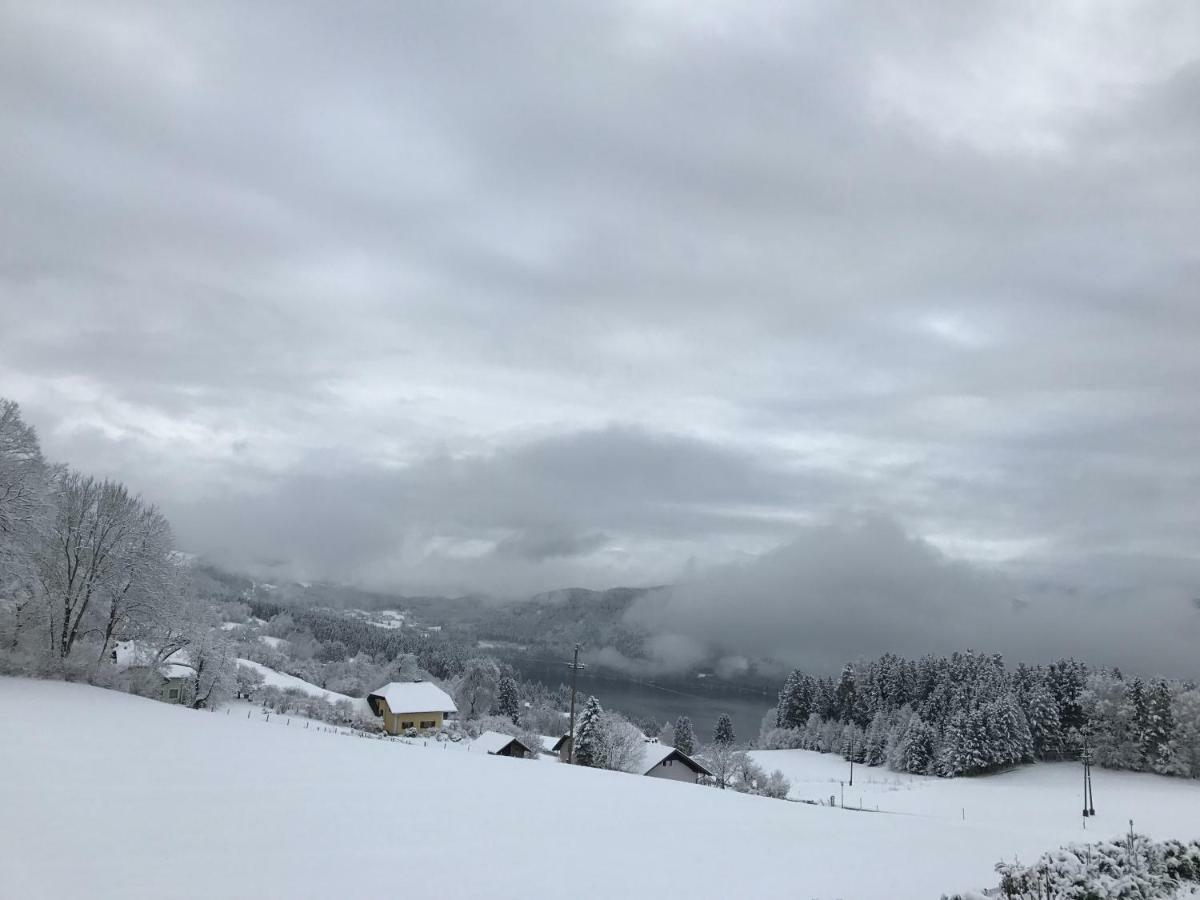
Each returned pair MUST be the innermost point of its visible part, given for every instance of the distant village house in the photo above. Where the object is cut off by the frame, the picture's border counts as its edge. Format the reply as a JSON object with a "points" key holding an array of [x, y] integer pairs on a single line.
{"points": [[663, 761], [496, 744], [558, 746], [411, 704]]}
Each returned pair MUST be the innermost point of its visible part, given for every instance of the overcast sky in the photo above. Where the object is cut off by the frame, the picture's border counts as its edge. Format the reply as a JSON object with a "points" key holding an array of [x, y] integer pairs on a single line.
{"points": [[505, 297]]}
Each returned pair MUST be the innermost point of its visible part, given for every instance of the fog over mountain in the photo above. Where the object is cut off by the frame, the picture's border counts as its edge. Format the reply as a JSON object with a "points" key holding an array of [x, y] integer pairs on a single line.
{"points": [[858, 346]]}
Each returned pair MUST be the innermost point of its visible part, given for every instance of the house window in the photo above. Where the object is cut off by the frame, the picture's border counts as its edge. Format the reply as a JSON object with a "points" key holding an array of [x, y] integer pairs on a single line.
{"points": [[406, 724], [430, 724], [173, 693]]}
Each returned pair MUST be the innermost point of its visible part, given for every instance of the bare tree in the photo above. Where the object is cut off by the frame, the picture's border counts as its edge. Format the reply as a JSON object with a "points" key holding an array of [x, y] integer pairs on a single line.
{"points": [[24, 511], [104, 556], [210, 655], [22, 472]]}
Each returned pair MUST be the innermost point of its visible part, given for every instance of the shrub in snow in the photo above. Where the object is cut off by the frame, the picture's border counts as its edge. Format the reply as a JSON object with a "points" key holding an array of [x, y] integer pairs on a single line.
{"points": [[745, 776], [776, 786], [1129, 868]]}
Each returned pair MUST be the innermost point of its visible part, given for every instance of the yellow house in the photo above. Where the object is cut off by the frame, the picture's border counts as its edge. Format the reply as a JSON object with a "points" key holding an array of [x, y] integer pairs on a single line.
{"points": [[411, 704]]}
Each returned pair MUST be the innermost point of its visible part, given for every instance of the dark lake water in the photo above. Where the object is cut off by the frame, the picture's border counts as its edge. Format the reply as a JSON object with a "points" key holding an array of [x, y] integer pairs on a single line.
{"points": [[663, 702]]}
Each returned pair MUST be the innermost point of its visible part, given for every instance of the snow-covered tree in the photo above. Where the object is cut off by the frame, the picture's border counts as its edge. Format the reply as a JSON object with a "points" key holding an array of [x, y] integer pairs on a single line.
{"points": [[508, 700], [476, 688], [720, 759], [723, 733], [1157, 747], [684, 739], [622, 742], [589, 735], [24, 514], [1041, 712], [795, 701], [210, 657], [106, 559], [848, 705], [918, 747], [874, 750]]}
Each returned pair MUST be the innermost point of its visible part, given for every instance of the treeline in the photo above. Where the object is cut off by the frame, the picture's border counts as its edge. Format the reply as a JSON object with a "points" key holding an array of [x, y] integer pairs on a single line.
{"points": [[85, 565], [343, 636], [968, 713]]}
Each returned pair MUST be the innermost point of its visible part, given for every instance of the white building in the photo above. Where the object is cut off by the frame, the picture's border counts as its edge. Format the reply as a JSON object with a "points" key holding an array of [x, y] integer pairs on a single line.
{"points": [[663, 761]]}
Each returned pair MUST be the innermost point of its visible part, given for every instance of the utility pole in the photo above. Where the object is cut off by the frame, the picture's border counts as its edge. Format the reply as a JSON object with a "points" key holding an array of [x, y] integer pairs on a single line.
{"points": [[1089, 808], [575, 667], [851, 771]]}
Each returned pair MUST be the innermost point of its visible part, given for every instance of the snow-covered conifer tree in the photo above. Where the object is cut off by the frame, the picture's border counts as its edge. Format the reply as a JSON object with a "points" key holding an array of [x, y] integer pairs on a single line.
{"points": [[684, 738], [723, 733], [589, 735], [508, 701]]}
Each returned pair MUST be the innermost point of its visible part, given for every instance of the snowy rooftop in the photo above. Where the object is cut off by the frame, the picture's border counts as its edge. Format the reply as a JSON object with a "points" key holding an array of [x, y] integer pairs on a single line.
{"points": [[493, 742], [414, 697], [653, 753], [552, 743]]}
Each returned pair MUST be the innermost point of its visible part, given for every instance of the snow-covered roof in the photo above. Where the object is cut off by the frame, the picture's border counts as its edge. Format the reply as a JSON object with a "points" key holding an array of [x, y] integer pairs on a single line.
{"points": [[552, 744], [494, 742], [177, 670], [412, 697], [654, 753]]}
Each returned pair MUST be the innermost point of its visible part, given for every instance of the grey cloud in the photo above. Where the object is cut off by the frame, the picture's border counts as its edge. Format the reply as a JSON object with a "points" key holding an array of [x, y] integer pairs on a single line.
{"points": [[563, 510], [410, 264], [864, 587]]}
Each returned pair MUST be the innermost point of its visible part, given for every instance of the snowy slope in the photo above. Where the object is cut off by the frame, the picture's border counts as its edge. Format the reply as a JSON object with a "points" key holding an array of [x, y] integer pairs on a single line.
{"points": [[128, 798], [1045, 799], [282, 681]]}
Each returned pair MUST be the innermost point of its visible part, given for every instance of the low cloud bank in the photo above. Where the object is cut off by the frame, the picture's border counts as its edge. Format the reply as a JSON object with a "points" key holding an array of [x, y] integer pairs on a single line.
{"points": [[858, 589]]}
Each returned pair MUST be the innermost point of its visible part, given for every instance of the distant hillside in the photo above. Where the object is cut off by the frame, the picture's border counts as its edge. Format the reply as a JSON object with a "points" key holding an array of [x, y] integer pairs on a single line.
{"points": [[558, 619]]}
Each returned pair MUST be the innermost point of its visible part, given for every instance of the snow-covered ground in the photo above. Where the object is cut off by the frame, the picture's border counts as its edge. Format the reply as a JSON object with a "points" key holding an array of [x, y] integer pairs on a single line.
{"points": [[129, 798], [283, 681], [1044, 800]]}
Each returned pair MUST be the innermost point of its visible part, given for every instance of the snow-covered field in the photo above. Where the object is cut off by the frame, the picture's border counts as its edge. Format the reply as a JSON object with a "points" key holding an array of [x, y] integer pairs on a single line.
{"points": [[1046, 799], [107, 795], [283, 681]]}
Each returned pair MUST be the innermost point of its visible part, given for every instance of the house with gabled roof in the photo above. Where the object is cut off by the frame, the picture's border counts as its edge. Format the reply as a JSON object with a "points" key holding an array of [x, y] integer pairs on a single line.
{"points": [[495, 743], [557, 746], [411, 704], [663, 761]]}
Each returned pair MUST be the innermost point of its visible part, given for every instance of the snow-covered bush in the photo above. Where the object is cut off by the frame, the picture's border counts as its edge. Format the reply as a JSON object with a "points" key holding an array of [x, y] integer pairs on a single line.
{"points": [[1128, 868], [776, 786]]}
